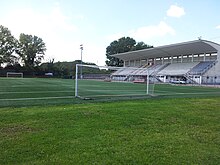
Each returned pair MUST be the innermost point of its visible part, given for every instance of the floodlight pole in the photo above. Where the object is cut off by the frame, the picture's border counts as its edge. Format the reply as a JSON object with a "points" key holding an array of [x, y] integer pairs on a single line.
{"points": [[81, 47]]}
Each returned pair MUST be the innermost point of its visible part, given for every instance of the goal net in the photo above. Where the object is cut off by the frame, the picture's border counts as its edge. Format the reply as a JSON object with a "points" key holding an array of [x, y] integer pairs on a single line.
{"points": [[92, 81], [14, 74]]}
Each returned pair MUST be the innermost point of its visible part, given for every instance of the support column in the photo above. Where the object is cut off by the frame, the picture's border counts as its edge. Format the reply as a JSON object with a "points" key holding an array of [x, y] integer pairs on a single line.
{"points": [[164, 79], [218, 55]]}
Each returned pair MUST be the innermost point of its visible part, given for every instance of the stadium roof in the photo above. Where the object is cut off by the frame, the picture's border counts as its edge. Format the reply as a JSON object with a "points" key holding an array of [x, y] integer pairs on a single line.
{"points": [[184, 48]]}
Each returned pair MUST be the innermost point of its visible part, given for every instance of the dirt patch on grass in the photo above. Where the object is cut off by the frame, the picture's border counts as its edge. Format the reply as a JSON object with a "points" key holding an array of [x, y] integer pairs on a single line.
{"points": [[15, 130]]}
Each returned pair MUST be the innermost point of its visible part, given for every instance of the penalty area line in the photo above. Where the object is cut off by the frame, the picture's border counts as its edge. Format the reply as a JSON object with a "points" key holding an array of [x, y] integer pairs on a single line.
{"points": [[38, 98]]}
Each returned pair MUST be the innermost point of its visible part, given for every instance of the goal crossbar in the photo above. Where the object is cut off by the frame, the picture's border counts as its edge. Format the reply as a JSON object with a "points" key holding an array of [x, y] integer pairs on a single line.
{"points": [[144, 79], [14, 73]]}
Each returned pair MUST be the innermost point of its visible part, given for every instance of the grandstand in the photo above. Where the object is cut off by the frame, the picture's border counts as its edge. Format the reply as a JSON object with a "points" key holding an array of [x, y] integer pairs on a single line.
{"points": [[192, 62]]}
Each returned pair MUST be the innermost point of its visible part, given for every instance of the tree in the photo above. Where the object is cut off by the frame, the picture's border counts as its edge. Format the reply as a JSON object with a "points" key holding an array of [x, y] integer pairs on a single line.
{"points": [[7, 45], [141, 45], [124, 44], [50, 65], [31, 50], [120, 46]]}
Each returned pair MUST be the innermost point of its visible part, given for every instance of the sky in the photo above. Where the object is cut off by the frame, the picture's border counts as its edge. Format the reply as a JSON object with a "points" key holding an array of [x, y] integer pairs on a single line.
{"points": [[66, 24]]}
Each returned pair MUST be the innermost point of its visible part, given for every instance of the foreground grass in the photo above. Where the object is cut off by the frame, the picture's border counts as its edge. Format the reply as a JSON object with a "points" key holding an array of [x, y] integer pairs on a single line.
{"points": [[162, 131]]}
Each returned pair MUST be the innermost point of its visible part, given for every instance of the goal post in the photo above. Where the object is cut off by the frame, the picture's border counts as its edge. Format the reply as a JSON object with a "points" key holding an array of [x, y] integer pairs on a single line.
{"points": [[107, 81], [14, 74]]}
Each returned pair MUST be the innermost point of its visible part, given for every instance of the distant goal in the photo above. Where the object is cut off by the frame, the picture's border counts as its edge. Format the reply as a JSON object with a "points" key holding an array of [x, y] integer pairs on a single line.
{"points": [[92, 81], [15, 74]]}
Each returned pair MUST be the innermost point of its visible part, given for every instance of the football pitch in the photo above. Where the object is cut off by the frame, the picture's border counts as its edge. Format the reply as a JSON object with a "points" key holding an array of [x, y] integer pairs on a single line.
{"points": [[41, 122], [39, 91]]}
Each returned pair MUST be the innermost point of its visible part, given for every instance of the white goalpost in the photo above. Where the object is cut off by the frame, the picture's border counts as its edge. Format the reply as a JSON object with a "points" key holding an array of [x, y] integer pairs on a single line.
{"points": [[107, 81], [15, 74]]}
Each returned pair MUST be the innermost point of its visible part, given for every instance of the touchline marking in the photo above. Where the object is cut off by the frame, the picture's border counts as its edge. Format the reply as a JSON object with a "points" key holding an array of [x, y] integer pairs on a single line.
{"points": [[37, 98], [196, 93], [37, 92]]}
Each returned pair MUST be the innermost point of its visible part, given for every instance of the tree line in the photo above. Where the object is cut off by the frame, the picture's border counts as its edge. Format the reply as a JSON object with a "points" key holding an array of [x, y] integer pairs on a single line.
{"points": [[26, 53], [28, 49]]}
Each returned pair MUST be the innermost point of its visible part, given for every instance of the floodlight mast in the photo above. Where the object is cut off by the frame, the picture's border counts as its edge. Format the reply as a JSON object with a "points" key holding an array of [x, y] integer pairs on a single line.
{"points": [[81, 47]]}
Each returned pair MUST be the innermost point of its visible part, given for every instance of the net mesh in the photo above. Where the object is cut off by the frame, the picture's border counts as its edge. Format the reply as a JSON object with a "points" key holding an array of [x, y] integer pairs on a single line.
{"points": [[102, 81], [14, 75]]}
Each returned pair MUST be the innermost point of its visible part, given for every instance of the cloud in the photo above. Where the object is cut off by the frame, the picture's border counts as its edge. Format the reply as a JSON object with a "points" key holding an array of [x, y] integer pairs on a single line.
{"points": [[175, 11], [28, 21], [58, 19], [217, 27], [53, 26], [114, 37], [94, 53], [79, 17], [147, 32]]}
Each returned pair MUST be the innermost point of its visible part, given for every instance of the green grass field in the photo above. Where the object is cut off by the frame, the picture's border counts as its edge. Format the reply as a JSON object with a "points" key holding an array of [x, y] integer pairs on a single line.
{"points": [[42, 123], [36, 91]]}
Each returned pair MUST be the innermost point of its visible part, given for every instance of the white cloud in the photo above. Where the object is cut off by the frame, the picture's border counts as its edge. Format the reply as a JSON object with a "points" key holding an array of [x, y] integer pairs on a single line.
{"points": [[79, 17], [175, 11], [115, 36], [53, 27], [147, 32], [59, 20], [28, 21], [218, 27], [94, 53]]}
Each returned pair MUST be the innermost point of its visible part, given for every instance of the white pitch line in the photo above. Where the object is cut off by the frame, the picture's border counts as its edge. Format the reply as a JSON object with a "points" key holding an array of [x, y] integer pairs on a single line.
{"points": [[37, 98], [196, 93], [36, 92], [51, 85]]}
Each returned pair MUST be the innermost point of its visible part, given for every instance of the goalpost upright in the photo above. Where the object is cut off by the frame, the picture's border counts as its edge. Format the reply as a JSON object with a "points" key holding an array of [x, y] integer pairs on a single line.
{"points": [[122, 81], [148, 80], [14, 74], [76, 81]]}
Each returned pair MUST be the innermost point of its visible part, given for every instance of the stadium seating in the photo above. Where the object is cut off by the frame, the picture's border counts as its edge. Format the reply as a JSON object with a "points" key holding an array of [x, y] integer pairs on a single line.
{"points": [[178, 68], [144, 70], [185, 69], [201, 67]]}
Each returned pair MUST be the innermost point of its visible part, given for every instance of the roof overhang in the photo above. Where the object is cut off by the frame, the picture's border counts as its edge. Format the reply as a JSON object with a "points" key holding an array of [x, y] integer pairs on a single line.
{"points": [[184, 48]]}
